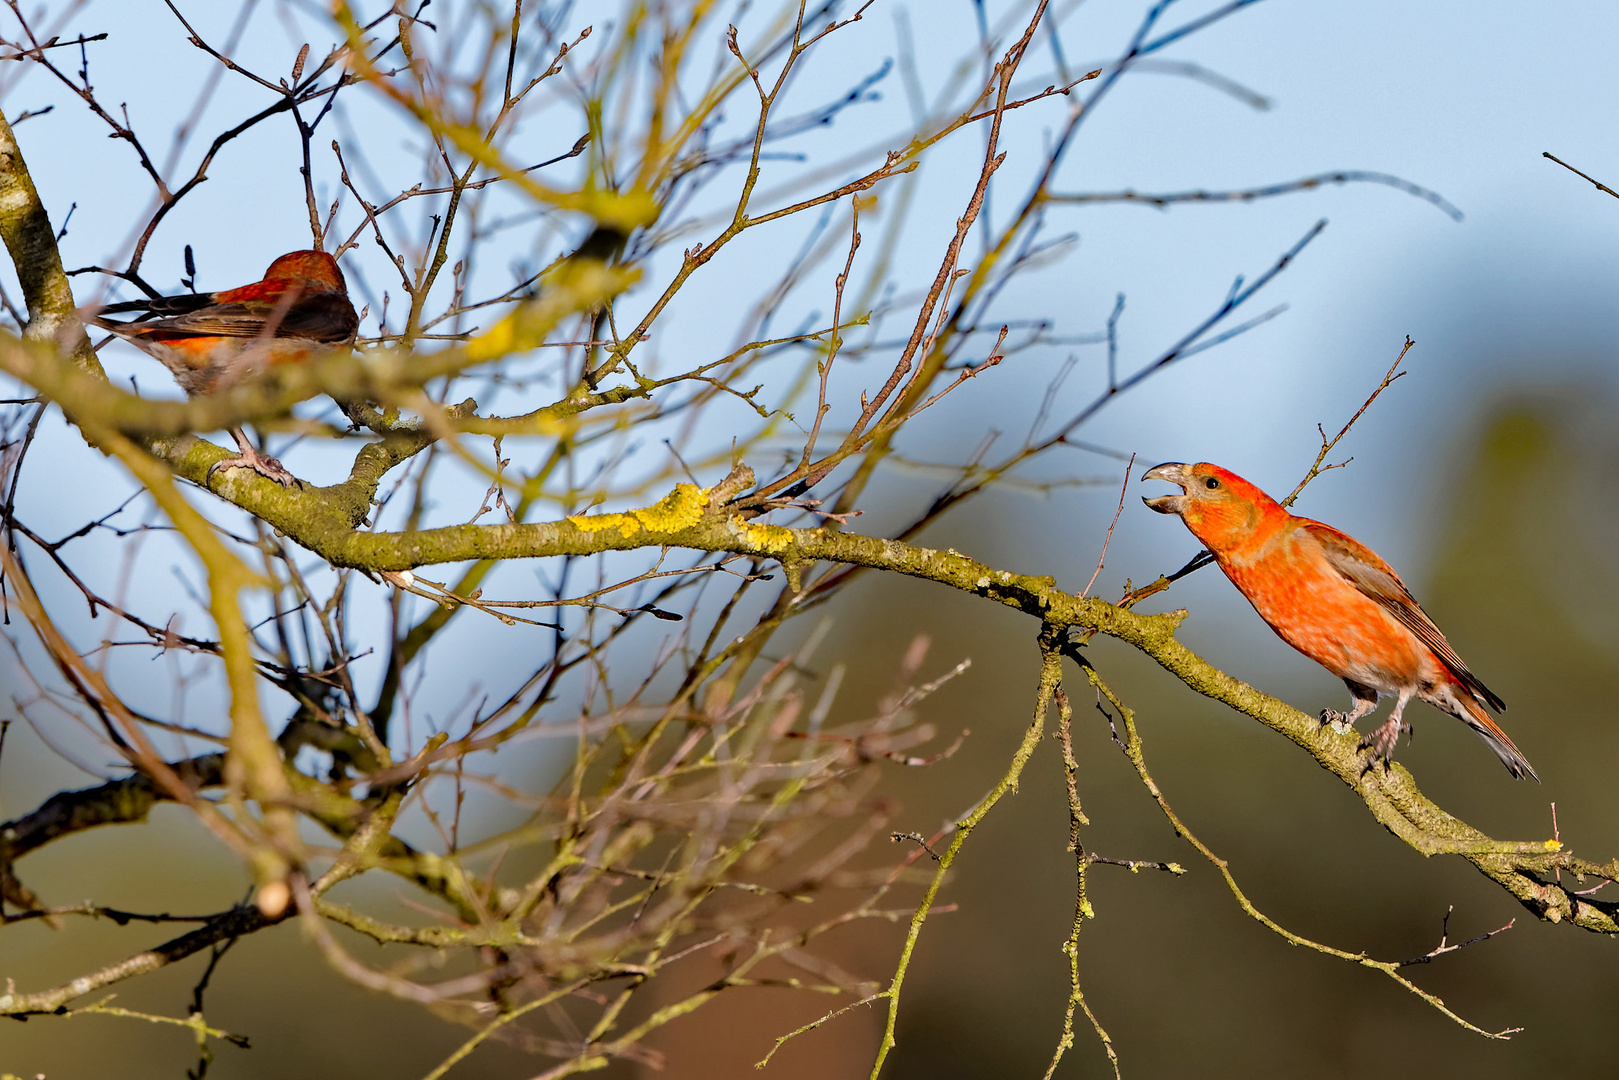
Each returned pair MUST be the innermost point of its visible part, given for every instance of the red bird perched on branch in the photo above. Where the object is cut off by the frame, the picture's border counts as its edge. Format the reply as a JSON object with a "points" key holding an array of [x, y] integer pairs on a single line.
{"points": [[209, 341], [1331, 598]]}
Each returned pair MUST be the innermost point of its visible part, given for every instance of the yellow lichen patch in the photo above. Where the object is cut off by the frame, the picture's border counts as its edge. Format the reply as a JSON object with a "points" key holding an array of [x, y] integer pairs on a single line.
{"points": [[499, 340], [1554, 845], [626, 209], [680, 509], [770, 538], [624, 523], [569, 289]]}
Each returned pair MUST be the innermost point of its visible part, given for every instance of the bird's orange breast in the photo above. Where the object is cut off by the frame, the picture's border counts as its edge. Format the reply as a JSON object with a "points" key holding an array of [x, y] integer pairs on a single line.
{"points": [[1316, 610], [203, 364]]}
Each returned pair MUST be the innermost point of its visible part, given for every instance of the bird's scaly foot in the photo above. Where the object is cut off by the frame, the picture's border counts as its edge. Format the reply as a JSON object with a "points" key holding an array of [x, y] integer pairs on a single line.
{"points": [[1382, 741], [251, 459]]}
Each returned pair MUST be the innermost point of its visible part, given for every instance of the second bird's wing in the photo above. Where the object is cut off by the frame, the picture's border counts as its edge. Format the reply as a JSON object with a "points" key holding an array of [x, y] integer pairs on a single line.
{"points": [[324, 316]]}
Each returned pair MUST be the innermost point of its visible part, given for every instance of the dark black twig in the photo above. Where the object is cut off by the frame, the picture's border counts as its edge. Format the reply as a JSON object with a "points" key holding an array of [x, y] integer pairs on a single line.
{"points": [[1442, 948], [918, 838]]}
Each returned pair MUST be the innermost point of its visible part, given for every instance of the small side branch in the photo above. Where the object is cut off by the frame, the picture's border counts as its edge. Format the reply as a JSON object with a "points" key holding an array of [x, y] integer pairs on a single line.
{"points": [[1133, 750], [1316, 467], [1108, 539], [1444, 937], [1309, 183], [1600, 186], [231, 924], [1082, 904], [1050, 678]]}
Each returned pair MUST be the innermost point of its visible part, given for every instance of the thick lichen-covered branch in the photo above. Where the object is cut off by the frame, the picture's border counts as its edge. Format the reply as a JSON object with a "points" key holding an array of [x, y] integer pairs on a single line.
{"points": [[687, 519], [117, 802], [26, 229]]}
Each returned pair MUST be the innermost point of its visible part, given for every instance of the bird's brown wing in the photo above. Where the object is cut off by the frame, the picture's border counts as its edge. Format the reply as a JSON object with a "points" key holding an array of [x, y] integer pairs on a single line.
{"points": [[1364, 569], [324, 316]]}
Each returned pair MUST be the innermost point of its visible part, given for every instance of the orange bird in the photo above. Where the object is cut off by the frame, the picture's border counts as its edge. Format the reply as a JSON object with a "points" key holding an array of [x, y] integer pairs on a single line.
{"points": [[1331, 598], [209, 341]]}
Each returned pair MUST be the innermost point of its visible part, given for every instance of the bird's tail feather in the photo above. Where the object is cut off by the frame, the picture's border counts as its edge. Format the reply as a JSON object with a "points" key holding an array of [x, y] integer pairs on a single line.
{"points": [[1498, 740]]}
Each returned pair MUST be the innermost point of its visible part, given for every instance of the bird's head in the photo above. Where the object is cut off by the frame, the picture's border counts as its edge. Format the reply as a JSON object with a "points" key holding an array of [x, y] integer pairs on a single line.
{"points": [[308, 268], [1218, 506]]}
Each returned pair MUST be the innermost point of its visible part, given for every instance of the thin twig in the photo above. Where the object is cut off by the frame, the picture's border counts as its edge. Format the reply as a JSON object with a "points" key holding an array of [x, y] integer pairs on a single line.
{"points": [[1316, 468], [1108, 539], [1600, 186], [1308, 183]]}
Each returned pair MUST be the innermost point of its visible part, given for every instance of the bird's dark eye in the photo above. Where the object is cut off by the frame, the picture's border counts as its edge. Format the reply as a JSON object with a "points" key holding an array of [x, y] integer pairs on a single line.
{"points": [[1211, 483]]}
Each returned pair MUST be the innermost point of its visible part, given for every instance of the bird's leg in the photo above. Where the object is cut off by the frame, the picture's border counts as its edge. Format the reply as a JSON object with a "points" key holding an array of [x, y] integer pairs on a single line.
{"points": [[1384, 739], [250, 458], [1365, 701]]}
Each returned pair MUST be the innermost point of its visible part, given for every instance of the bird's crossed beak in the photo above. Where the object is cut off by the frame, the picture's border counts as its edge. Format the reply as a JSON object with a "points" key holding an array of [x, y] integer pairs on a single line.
{"points": [[1175, 473]]}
